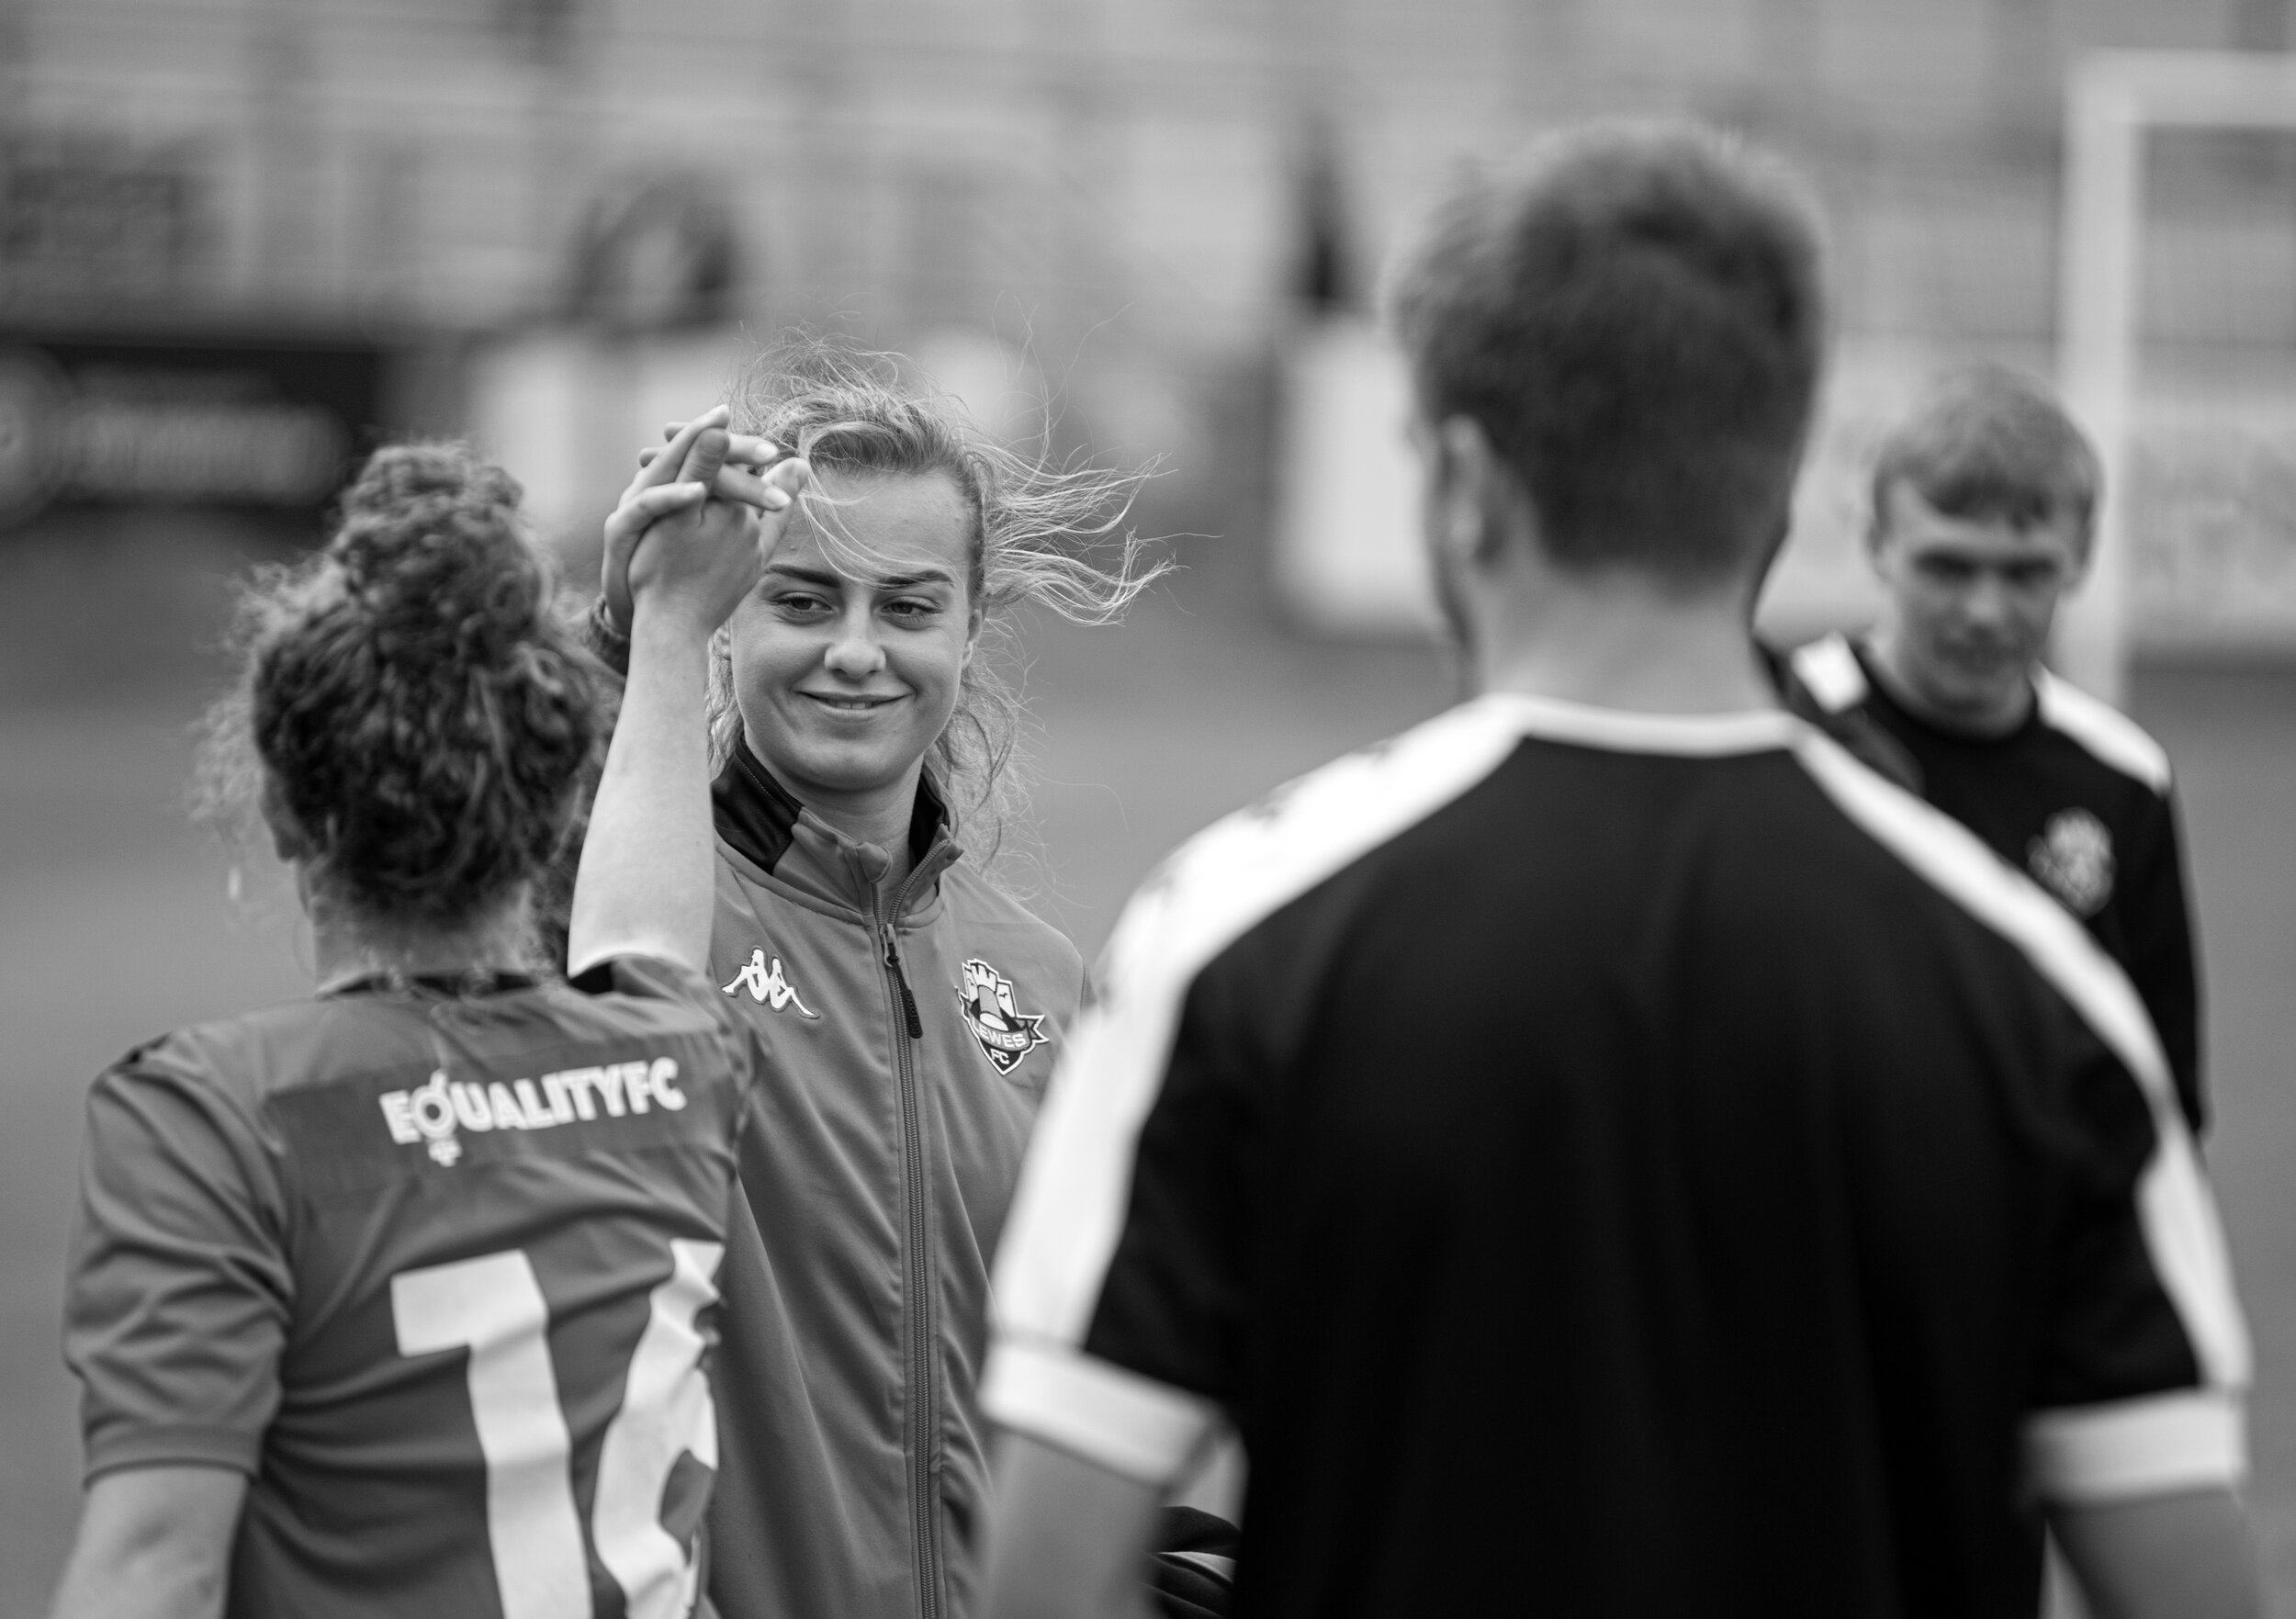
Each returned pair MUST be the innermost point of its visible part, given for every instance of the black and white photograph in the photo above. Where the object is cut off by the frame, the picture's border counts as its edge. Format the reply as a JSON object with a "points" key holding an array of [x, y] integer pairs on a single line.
{"points": [[1148, 809]]}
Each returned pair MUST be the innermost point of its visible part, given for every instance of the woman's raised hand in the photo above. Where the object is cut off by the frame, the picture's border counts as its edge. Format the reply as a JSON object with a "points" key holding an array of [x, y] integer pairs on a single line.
{"points": [[745, 474], [702, 550]]}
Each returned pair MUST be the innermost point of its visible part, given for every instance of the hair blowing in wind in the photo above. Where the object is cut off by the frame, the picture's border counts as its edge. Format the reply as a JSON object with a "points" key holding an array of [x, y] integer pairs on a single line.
{"points": [[1046, 532]]}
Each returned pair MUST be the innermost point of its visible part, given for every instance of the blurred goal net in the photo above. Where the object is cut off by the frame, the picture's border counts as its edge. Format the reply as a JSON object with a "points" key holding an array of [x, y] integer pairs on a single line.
{"points": [[2176, 328]]}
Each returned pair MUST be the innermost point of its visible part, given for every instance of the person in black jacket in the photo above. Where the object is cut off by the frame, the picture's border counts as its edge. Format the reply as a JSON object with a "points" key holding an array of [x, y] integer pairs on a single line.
{"points": [[1985, 501]]}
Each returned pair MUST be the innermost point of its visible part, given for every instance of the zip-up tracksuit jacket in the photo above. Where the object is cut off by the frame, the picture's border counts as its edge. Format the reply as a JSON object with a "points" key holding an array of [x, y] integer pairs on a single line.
{"points": [[906, 1050]]}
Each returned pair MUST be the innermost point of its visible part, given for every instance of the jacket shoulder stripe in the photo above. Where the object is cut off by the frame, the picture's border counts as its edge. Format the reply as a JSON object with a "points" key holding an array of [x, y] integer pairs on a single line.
{"points": [[2175, 1209], [2110, 735], [1829, 671]]}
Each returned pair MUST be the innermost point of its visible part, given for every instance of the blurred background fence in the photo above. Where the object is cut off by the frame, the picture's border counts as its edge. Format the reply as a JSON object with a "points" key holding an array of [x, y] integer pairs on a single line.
{"points": [[241, 240], [551, 220]]}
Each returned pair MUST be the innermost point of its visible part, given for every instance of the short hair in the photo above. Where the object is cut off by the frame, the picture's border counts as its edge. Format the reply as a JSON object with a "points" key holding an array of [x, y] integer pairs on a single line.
{"points": [[1987, 443], [1635, 314]]}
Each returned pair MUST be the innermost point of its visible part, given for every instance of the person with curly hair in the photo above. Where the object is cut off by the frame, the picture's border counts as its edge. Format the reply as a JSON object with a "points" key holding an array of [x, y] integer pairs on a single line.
{"points": [[910, 1007], [396, 1298]]}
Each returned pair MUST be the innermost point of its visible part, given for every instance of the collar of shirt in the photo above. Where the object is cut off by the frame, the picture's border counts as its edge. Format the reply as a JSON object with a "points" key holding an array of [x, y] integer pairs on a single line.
{"points": [[1879, 695], [760, 821]]}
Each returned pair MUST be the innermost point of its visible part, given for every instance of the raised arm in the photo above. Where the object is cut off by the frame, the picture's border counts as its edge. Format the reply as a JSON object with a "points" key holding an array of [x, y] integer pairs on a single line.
{"points": [[646, 883]]}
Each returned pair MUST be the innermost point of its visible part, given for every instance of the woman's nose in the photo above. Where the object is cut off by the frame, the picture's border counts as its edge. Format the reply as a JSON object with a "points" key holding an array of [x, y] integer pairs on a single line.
{"points": [[855, 655]]}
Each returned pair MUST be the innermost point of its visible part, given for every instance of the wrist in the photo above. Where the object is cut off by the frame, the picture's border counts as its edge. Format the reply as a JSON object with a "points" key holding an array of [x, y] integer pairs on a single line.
{"points": [[611, 630], [658, 618]]}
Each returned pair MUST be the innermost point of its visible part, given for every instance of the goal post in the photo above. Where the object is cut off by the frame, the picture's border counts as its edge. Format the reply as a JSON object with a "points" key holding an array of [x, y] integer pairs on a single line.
{"points": [[2114, 101]]}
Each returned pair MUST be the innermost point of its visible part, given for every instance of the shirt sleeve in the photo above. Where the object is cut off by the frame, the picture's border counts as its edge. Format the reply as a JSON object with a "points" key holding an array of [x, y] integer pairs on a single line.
{"points": [[1120, 1277], [179, 1292], [651, 978], [2163, 960], [1171, 1302], [2143, 1355]]}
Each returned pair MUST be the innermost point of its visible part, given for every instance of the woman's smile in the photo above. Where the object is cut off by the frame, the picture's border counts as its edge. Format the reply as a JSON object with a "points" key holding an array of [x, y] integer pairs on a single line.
{"points": [[849, 658], [853, 704]]}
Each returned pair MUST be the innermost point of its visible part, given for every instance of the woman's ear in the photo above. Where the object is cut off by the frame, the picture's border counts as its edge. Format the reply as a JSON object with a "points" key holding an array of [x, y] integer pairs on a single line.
{"points": [[287, 839], [977, 618]]}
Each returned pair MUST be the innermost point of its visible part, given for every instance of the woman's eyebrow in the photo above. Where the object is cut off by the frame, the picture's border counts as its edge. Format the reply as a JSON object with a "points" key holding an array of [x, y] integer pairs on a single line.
{"points": [[830, 578], [807, 576], [903, 581]]}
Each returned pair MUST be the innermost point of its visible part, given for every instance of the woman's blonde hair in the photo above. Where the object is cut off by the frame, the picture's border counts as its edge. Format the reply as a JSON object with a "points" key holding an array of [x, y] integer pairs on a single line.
{"points": [[1035, 519]]}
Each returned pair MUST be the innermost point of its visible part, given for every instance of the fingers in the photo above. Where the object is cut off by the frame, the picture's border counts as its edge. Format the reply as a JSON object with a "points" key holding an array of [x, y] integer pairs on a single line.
{"points": [[704, 460], [647, 507], [779, 494], [750, 489], [743, 449], [784, 482], [664, 468], [639, 511]]}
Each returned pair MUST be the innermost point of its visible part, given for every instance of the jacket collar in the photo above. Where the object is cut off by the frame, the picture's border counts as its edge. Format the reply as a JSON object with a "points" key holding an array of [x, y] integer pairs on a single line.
{"points": [[760, 821]]}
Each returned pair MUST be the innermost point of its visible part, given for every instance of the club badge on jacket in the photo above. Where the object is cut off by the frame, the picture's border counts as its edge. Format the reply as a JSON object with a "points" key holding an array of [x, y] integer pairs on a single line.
{"points": [[1006, 1034]]}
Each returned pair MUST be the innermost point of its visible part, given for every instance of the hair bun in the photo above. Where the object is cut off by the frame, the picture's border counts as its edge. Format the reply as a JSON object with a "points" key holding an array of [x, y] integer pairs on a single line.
{"points": [[431, 551]]}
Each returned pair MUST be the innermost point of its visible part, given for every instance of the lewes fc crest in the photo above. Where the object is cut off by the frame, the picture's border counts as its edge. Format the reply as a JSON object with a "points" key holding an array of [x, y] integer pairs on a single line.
{"points": [[1006, 1033], [2073, 859]]}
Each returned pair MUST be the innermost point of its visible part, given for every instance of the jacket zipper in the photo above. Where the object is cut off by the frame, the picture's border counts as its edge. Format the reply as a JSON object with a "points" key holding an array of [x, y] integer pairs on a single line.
{"points": [[923, 1404]]}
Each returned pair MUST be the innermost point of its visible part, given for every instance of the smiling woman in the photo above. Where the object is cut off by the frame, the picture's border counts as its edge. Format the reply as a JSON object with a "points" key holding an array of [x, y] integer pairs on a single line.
{"points": [[843, 678], [915, 542], [908, 1008]]}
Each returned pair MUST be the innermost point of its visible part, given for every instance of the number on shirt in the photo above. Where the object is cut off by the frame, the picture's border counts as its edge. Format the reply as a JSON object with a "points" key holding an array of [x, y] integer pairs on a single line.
{"points": [[493, 1307]]}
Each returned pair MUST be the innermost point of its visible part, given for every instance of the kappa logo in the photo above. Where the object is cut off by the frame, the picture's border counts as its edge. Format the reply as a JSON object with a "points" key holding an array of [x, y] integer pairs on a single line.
{"points": [[767, 986], [2073, 859], [439, 1111], [1006, 1033]]}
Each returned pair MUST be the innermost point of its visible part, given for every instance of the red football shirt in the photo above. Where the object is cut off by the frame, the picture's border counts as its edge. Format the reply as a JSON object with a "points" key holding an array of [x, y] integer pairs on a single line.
{"points": [[435, 1269]]}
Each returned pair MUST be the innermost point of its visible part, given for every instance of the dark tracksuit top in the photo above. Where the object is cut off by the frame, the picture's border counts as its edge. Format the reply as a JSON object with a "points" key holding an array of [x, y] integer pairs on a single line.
{"points": [[908, 1047], [2077, 797]]}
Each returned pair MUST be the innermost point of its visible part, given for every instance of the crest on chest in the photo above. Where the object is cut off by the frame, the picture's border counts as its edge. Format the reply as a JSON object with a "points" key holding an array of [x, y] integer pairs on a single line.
{"points": [[2073, 859], [1005, 1033]]}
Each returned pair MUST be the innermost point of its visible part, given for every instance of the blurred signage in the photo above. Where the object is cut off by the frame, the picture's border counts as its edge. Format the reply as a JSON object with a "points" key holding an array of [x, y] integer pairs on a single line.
{"points": [[82, 215], [258, 426]]}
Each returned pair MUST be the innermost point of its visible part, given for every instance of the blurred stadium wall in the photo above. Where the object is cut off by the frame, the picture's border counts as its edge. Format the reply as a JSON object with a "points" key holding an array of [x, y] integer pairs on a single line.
{"points": [[546, 217]]}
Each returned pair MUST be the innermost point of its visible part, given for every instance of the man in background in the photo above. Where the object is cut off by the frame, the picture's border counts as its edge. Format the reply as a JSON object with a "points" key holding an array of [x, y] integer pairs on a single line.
{"points": [[1607, 1151], [1984, 502]]}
